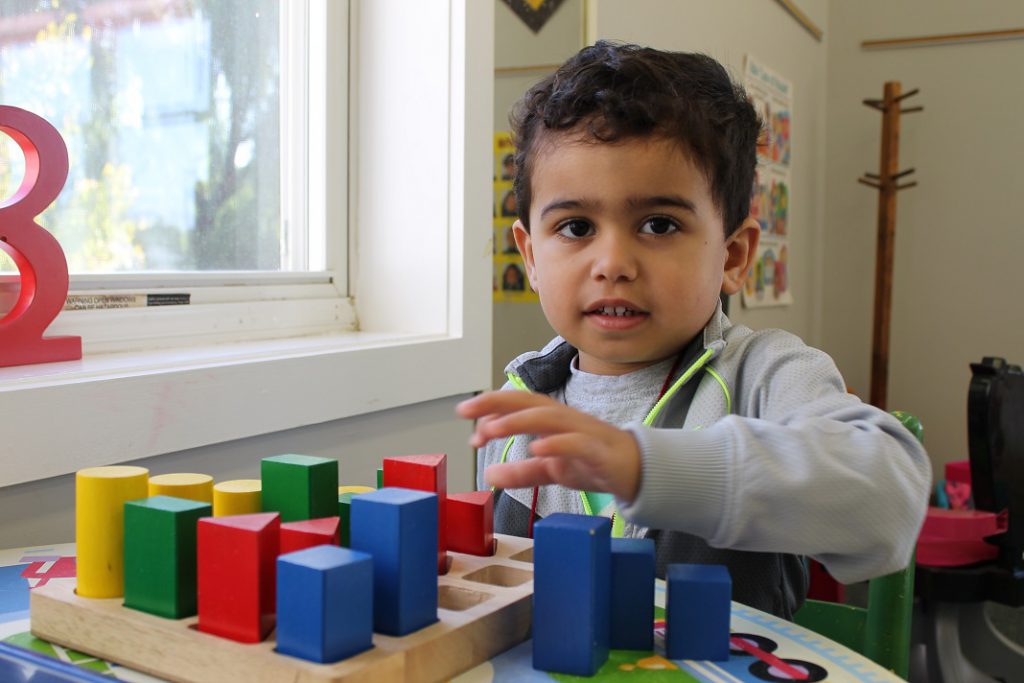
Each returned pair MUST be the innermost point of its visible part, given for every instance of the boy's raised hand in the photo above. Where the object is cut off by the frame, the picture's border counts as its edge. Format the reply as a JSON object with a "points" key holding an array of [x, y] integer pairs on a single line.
{"points": [[572, 448]]}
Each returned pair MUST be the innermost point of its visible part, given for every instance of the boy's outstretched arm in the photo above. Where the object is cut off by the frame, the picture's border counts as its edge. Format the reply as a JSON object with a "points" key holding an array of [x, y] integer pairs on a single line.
{"points": [[572, 448]]}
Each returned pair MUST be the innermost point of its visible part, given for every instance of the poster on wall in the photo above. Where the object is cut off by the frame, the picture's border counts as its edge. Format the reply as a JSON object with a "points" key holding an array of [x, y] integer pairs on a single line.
{"points": [[509, 280], [768, 283], [772, 95]]}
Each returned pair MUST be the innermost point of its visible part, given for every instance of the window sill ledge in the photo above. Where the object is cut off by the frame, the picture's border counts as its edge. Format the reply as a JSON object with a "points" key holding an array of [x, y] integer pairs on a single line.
{"points": [[110, 408]]}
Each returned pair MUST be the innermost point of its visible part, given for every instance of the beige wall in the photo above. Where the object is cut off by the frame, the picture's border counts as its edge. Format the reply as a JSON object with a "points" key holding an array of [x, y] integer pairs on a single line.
{"points": [[519, 327], [43, 511], [959, 234]]}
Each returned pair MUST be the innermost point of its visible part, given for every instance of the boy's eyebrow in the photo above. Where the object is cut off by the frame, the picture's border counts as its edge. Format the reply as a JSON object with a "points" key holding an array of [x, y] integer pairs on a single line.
{"points": [[635, 202], [662, 200], [567, 204]]}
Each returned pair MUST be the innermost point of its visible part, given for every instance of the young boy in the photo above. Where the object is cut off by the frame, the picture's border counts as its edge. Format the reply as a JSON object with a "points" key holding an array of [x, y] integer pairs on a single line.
{"points": [[724, 445]]}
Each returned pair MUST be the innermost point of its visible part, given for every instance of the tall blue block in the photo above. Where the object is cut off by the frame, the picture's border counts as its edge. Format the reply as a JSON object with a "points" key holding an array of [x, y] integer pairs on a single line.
{"points": [[324, 603], [697, 611], [571, 582], [632, 599], [398, 527]]}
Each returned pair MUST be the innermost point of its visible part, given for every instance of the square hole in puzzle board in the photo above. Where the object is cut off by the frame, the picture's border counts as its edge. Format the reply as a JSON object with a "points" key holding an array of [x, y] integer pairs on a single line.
{"points": [[499, 575]]}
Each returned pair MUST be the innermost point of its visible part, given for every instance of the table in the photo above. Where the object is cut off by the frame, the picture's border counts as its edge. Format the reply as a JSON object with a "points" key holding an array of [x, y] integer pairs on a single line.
{"points": [[765, 648]]}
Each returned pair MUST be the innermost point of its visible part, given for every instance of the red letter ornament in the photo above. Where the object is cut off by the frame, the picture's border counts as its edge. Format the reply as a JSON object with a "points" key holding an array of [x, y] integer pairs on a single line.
{"points": [[38, 256]]}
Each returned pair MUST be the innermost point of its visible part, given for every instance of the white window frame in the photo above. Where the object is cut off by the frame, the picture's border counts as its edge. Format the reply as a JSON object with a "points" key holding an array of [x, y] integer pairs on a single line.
{"points": [[420, 83], [240, 306]]}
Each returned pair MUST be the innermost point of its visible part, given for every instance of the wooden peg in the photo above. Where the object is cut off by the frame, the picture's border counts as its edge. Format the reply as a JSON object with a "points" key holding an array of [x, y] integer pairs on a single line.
{"points": [[100, 495], [188, 485]]}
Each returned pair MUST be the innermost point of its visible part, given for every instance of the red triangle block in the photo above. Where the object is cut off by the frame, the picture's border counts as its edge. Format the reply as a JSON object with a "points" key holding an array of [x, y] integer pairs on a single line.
{"points": [[255, 522], [471, 523], [310, 533], [424, 473], [236, 558]]}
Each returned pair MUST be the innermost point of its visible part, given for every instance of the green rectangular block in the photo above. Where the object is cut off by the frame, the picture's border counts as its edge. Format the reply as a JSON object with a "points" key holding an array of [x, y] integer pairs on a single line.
{"points": [[160, 555], [300, 486], [345, 513], [380, 477]]}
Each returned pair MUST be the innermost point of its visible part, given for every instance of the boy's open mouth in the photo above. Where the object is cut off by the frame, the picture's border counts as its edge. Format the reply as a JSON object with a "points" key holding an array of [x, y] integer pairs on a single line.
{"points": [[616, 314], [617, 311]]}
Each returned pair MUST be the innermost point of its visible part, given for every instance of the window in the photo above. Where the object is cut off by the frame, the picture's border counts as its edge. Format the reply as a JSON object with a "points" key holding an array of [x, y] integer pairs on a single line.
{"points": [[418, 141], [197, 144]]}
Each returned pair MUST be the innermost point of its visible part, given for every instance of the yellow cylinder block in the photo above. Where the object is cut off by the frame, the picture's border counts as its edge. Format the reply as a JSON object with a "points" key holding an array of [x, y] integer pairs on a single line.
{"points": [[355, 489], [237, 497], [198, 487], [100, 495]]}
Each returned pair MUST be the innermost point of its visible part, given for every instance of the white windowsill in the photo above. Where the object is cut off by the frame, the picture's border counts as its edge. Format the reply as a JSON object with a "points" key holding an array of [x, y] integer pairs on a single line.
{"points": [[117, 407]]}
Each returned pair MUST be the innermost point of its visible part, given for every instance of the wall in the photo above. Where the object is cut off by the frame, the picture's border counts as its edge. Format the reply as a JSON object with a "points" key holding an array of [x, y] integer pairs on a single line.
{"points": [[766, 32], [957, 276], [42, 512], [521, 58]]}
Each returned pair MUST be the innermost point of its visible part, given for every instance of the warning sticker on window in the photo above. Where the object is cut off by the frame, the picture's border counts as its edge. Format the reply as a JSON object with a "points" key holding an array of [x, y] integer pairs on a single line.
{"points": [[91, 302]]}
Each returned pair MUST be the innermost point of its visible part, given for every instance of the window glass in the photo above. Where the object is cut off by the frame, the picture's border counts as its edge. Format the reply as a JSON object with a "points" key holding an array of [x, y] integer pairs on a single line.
{"points": [[170, 110]]}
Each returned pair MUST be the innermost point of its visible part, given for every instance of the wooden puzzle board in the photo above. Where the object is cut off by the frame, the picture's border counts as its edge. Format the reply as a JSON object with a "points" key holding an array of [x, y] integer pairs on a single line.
{"points": [[484, 609]]}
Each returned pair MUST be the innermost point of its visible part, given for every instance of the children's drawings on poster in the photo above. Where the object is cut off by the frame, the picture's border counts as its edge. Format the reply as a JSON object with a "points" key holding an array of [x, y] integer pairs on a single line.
{"points": [[769, 202], [509, 282], [768, 280], [772, 97]]}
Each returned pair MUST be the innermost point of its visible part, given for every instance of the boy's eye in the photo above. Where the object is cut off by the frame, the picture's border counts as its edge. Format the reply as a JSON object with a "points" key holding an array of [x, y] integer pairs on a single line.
{"points": [[575, 229], [658, 225]]}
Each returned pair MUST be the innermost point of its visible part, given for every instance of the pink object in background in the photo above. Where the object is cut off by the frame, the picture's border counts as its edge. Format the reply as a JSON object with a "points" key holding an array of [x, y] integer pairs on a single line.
{"points": [[958, 484], [953, 538], [36, 253], [959, 472]]}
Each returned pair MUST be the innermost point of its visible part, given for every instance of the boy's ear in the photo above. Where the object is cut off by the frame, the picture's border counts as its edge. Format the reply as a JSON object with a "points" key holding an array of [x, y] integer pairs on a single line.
{"points": [[525, 245], [740, 248]]}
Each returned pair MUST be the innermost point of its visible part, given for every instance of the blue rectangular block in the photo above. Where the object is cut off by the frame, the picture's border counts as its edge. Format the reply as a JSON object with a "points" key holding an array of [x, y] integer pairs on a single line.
{"points": [[571, 581], [324, 603], [697, 607], [632, 599], [398, 527]]}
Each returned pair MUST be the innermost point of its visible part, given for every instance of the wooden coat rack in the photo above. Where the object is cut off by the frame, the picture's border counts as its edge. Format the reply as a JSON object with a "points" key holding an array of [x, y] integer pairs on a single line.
{"points": [[887, 182]]}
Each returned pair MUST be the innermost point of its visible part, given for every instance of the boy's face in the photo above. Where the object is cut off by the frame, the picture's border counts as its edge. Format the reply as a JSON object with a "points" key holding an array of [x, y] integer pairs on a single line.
{"points": [[627, 249]]}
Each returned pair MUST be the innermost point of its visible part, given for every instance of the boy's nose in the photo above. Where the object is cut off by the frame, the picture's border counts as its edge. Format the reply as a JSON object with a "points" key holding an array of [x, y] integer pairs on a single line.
{"points": [[614, 259]]}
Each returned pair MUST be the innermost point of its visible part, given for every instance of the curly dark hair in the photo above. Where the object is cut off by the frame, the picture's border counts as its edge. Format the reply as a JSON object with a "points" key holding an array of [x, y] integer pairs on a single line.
{"points": [[620, 91]]}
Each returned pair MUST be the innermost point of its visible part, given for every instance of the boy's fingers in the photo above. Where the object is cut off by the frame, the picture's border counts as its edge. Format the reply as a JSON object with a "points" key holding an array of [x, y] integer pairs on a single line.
{"points": [[572, 445], [517, 475], [543, 420], [476, 439], [500, 402]]}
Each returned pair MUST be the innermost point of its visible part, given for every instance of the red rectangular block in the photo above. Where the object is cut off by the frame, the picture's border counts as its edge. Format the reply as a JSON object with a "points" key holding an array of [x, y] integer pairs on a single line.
{"points": [[309, 533], [424, 473], [471, 523], [236, 575]]}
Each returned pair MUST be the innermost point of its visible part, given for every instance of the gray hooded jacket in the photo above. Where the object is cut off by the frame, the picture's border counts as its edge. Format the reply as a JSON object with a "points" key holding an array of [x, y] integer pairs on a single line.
{"points": [[758, 456]]}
